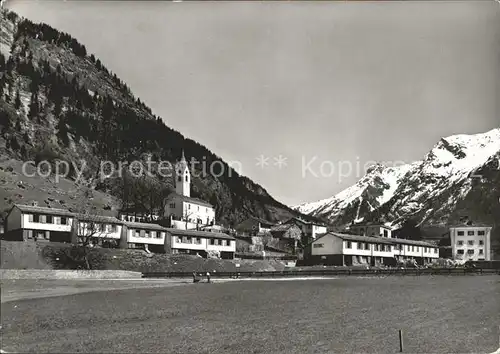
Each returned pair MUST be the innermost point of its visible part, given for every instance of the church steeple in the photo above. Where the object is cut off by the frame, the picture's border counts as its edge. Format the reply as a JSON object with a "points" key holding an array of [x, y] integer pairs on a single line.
{"points": [[182, 177]]}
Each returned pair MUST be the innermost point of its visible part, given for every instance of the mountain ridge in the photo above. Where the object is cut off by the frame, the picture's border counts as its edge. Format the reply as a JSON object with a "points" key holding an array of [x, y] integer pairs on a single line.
{"points": [[459, 177], [61, 103]]}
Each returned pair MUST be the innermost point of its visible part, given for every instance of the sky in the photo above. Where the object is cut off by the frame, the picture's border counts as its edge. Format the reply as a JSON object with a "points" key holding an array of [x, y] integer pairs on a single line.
{"points": [[331, 87]]}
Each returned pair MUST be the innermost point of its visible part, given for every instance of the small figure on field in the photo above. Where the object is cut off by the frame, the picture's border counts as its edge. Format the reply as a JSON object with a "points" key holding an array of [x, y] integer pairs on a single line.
{"points": [[208, 277], [195, 278]]}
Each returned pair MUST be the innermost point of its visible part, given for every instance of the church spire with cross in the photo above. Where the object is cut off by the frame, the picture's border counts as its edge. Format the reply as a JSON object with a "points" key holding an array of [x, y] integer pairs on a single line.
{"points": [[182, 177]]}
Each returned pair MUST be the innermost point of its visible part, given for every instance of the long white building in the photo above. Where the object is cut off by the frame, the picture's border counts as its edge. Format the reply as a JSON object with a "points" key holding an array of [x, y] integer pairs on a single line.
{"points": [[344, 249], [34, 223]]}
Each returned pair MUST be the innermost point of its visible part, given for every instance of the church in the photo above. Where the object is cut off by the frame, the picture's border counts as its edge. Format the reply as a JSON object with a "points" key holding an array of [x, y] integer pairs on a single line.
{"points": [[184, 211]]}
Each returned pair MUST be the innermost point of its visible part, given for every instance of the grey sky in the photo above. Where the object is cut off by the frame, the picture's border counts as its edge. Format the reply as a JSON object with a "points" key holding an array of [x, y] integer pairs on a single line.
{"points": [[341, 81]]}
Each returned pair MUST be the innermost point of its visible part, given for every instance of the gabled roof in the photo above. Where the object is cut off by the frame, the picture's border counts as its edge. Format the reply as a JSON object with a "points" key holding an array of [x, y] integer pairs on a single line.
{"points": [[472, 225], [376, 239], [190, 200], [412, 242], [98, 219], [43, 210], [144, 226], [306, 222], [358, 238], [197, 233], [282, 227]]}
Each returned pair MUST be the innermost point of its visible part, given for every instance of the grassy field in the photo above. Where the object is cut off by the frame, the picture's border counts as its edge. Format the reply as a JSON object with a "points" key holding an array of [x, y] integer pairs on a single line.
{"points": [[457, 314]]}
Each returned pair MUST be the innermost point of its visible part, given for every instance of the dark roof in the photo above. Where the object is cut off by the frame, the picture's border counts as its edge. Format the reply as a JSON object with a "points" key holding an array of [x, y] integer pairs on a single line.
{"points": [[282, 227], [475, 224], [306, 221], [98, 218], [358, 238], [44, 210], [383, 240], [370, 225], [197, 233], [144, 226], [190, 200], [412, 242]]}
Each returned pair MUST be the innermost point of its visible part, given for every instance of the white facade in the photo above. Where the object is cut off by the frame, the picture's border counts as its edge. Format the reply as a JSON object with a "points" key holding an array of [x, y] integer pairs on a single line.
{"points": [[310, 229], [182, 208], [99, 229], [371, 230], [200, 243], [365, 246], [471, 242]]}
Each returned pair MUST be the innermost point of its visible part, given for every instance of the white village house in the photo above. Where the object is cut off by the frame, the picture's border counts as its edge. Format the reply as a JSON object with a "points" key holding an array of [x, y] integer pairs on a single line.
{"points": [[471, 242]]}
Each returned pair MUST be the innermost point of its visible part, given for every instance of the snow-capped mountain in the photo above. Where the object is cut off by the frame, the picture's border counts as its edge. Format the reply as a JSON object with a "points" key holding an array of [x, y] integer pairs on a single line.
{"points": [[430, 191]]}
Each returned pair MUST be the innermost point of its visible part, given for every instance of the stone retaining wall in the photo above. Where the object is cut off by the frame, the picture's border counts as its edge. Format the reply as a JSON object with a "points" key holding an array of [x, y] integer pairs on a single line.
{"points": [[67, 274]]}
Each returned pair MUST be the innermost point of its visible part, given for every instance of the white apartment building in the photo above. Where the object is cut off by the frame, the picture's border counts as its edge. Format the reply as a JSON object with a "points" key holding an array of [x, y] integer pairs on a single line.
{"points": [[150, 237], [31, 222], [343, 249], [101, 229], [202, 243], [471, 242]]}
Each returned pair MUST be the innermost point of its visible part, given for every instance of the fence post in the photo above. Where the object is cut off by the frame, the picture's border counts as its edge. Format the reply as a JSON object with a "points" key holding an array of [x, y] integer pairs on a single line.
{"points": [[400, 340]]}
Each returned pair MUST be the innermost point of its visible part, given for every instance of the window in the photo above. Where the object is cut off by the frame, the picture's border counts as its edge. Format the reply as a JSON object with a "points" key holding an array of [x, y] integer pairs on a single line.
{"points": [[413, 248], [153, 234], [460, 233], [470, 252], [179, 179], [367, 246], [470, 233], [360, 246], [481, 242], [30, 217], [189, 239], [348, 244], [64, 220], [160, 235], [57, 220], [481, 251], [49, 219], [220, 242], [460, 243], [198, 240], [30, 233], [198, 208], [318, 245], [470, 242], [228, 242], [186, 177], [137, 233], [460, 251], [172, 205], [386, 234], [425, 249], [480, 233], [114, 228], [376, 248], [36, 218], [212, 241], [435, 250]]}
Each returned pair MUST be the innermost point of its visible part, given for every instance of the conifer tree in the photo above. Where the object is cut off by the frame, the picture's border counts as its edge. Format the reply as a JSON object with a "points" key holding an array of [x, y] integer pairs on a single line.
{"points": [[17, 102]]}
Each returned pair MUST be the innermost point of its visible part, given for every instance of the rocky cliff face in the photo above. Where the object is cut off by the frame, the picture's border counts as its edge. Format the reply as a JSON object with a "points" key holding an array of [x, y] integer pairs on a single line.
{"points": [[58, 103]]}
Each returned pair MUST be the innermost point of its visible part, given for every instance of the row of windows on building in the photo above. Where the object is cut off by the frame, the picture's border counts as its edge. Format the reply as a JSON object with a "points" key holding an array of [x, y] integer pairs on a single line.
{"points": [[385, 233], [366, 246], [172, 206], [470, 252], [48, 219], [470, 243], [197, 241], [471, 233], [383, 248], [148, 234]]}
